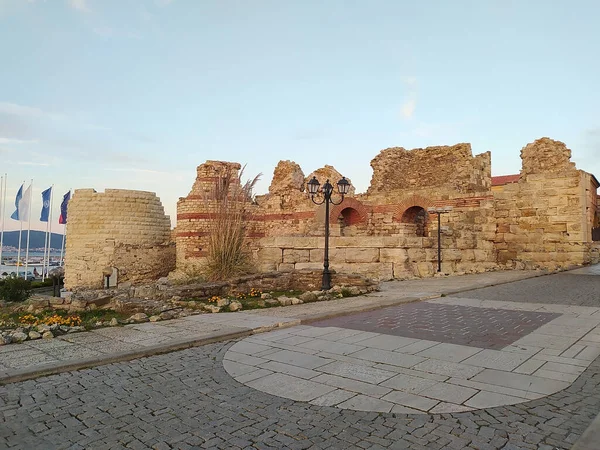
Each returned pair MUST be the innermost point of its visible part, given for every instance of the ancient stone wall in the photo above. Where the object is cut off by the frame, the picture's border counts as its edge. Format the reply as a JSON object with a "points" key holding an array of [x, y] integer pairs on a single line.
{"points": [[540, 218], [116, 228], [544, 220], [452, 167]]}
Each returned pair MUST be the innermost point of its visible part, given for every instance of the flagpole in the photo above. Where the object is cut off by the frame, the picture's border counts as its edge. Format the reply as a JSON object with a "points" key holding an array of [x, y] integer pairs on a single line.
{"points": [[20, 234], [62, 250], [3, 214], [28, 228], [46, 250], [46, 267], [3, 200]]}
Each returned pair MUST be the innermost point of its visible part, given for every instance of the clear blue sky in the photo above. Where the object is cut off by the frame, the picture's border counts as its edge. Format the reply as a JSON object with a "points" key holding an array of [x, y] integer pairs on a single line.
{"points": [[135, 94]]}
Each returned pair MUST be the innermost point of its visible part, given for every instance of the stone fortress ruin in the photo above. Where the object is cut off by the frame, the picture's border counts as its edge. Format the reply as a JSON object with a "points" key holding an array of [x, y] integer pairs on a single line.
{"points": [[545, 217]]}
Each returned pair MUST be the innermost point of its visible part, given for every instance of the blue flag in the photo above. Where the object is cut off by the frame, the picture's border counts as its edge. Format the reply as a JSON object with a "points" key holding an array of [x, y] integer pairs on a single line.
{"points": [[45, 205], [63, 208], [15, 215]]}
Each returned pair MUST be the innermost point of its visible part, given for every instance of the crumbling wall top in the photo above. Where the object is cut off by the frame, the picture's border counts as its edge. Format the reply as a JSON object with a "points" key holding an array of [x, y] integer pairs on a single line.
{"points": [[329, 173], [287, 176], [546, 155], [453, 166]]}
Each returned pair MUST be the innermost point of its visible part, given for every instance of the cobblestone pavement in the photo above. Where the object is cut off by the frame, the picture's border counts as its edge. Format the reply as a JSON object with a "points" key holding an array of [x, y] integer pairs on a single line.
{"points": [[579, 288], [187, 400]]}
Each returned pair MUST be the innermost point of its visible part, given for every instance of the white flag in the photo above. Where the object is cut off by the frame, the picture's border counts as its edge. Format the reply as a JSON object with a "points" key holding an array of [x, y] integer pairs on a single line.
{"points": [[24, 203]]}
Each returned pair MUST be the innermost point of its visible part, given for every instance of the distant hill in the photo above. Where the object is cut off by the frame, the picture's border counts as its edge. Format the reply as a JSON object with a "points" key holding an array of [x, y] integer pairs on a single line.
{"points": [[36, 239]]}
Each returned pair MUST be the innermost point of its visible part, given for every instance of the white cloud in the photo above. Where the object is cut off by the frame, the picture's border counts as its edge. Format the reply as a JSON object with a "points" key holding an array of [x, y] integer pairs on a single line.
{"points": [[17, 141], [79, 5], [26, 111], [408, 108], [31, 163]]}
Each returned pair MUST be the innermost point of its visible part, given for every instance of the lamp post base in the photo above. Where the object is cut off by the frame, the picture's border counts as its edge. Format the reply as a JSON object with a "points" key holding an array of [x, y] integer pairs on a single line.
{"points": [[326, 284]]}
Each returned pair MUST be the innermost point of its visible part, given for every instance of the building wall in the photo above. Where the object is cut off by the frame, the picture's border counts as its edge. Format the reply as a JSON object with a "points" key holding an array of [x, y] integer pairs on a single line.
{"points": [[117, 228], [544, 220]]}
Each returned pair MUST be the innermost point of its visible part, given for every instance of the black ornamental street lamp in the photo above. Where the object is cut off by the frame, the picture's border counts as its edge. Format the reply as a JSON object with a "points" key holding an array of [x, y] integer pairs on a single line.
{"points": [[439, 211], [313, 188]]}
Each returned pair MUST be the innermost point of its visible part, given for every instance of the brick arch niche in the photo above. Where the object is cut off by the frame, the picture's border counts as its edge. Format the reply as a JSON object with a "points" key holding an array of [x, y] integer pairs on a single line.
{"points": [[416, 215], [350, 210], [413, 211]]}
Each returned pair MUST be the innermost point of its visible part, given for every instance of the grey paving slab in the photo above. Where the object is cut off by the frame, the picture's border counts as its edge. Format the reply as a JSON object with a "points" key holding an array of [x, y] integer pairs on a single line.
{"points": [[352, 385], [299, 372], [565, 368], [408, 383], [112, 347], [249, 348], [449, 408], [449, 369], [449, 352], [530, 366], [365, 403], [561, 376], [521, 381], [410, 400], [73, 352], [333, 398], [245, 359], [589, 353], [290, 387], [528, 395], [298, 359], [331, 346], [387, 342], [250, 376], [357, 372], [485, 399], [388, 357], [236, 369], [417, 347], [494, 359], [449, 393]]}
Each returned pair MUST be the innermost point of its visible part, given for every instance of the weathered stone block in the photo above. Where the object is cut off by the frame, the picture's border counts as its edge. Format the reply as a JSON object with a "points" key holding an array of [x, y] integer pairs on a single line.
{"points": [[295, 255], [362, 255]]}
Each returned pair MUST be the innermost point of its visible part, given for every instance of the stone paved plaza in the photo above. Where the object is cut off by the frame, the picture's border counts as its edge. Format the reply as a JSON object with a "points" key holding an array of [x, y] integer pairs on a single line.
{"points": [[215, 396]]}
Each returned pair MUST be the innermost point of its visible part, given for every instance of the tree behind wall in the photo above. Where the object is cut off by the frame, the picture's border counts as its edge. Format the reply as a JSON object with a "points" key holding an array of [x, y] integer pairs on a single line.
{"points": [[227, 254]]}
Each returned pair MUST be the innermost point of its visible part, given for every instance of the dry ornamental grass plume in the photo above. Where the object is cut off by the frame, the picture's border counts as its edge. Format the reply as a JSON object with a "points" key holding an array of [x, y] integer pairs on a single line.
{"points": [[227, 254]]}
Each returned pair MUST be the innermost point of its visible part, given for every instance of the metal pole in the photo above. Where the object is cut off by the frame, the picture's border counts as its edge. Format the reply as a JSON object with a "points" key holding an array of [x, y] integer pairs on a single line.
{"points": [[439, 214], [326, 285]]}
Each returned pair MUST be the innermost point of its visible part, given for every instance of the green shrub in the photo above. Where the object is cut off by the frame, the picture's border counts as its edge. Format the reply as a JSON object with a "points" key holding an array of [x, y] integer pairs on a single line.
{"points": [[38, 284], [15, 289]]}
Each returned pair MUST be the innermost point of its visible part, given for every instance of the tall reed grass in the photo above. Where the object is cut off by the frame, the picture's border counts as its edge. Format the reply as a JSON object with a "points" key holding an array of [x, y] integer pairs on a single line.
{"points": [[228, 255]]}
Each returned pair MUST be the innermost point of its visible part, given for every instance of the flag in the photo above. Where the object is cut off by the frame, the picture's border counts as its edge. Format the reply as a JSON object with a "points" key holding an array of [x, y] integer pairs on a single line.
{"points": [[63, 208], [24, 207], [45, 205], [15, 215]]}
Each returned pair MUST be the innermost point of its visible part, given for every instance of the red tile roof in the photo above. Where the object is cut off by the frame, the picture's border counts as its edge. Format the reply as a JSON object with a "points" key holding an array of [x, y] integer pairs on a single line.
{"points": [[505, 179]]}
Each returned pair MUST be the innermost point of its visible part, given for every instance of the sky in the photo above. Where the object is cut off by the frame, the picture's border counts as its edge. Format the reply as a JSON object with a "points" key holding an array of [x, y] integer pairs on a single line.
{"points": [[135, 94]]}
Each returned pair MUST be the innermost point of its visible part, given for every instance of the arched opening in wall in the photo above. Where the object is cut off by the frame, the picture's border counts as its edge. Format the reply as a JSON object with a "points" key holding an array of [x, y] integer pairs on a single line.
{"points": [[417, 216], [348, 219]]}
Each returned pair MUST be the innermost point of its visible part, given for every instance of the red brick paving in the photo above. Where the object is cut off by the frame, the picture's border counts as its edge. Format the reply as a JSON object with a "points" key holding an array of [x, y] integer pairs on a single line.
{"points": [[463, 325]]}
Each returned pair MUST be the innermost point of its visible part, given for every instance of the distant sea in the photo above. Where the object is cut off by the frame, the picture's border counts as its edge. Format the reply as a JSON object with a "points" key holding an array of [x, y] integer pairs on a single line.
{"points": [[54, 256]]}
